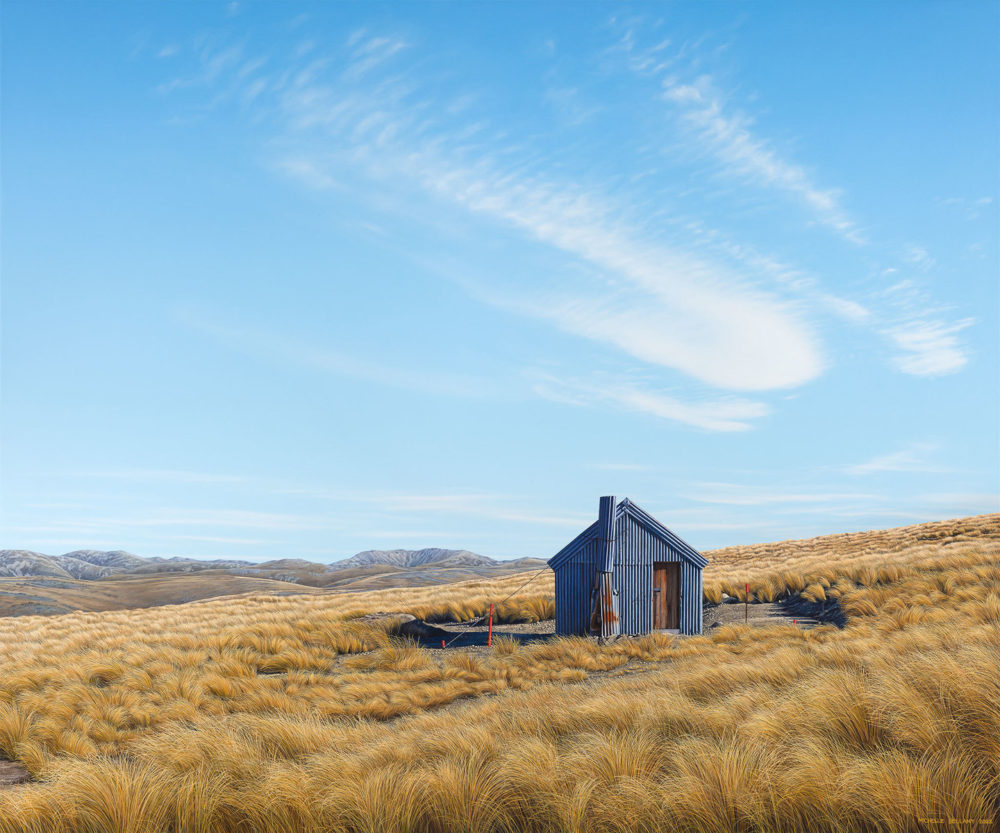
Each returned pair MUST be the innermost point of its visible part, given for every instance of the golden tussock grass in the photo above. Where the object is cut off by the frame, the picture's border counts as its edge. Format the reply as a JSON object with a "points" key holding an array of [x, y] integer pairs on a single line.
{"points": [[290, 714]]}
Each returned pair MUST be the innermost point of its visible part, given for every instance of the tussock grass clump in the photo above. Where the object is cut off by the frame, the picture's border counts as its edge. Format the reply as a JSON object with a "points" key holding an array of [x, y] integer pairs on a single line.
{"points": [[988, 611], [15, 728], [815, 592], [712, 592], [504, 645]]}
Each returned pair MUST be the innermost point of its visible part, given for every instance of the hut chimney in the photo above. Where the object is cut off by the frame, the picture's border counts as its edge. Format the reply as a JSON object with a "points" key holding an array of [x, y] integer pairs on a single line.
{"points": [[607, 599], [606, 534]]}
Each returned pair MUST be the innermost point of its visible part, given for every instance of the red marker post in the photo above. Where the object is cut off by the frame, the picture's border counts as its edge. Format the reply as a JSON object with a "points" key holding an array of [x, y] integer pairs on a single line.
{"points": [[746, 606], [489, 635], [442, 643]]}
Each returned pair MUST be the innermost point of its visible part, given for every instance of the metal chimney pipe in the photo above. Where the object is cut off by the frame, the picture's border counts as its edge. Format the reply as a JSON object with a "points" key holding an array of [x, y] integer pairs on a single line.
{"points": [[607, 600]]}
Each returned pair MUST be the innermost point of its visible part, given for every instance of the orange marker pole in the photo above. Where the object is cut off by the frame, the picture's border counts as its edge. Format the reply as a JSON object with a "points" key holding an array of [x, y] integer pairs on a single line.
{"points": [[489, 636], [746, 606]]}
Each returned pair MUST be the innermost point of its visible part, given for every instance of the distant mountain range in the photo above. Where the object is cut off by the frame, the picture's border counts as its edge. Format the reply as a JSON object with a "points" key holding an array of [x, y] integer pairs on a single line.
{"points": [[415, 558], [98, 564], [35, 584]]}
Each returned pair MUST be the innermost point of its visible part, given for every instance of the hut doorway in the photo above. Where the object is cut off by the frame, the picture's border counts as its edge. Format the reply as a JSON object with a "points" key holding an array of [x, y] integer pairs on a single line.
{"points": [[666, 595]]}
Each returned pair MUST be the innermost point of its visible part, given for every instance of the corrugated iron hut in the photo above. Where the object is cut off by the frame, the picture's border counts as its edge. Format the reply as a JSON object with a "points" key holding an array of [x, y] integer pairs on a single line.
{"points": [[627, 574]]}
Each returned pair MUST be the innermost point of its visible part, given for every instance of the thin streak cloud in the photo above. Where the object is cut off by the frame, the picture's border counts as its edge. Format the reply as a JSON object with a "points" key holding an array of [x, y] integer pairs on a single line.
{"points": [[729, 137], [912, 458], [724, 415]]}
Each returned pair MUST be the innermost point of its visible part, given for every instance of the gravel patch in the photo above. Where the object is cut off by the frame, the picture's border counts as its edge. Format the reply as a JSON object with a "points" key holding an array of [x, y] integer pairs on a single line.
{"points": [[12, 774], [756, 613]]}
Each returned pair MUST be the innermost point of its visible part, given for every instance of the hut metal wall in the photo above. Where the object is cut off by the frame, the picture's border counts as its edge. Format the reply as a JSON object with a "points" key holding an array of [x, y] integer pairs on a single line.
{"points": [[634, 576], [637, 549], [574, 586]]}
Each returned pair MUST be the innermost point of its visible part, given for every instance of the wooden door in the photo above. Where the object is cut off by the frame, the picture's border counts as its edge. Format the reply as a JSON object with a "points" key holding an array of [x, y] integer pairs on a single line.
{"points": [[666, 595]]}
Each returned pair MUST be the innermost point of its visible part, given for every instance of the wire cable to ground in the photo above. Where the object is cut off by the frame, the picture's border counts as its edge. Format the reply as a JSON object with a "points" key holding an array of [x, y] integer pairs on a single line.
{"points": [[480, 619]]}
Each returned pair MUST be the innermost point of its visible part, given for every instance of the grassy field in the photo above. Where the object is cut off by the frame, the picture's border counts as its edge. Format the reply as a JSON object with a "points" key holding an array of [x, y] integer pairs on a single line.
{"points": [[266, 713]]}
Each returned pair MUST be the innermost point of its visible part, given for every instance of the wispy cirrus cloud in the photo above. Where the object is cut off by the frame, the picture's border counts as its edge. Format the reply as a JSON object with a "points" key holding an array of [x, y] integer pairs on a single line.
{"points": [[728, 135], [221, 539], [796, 508], [492, 506], [734, 494], [971, 208], [161, 518], [718, 129], [963, 502], [487, 505], [666, 307], [620, 466], [925, 342], [912, 458], [918, 257], [727, 414], [929, 348], [284, 347], [214, 65], [167, 475], [369, 51], [222, 518], [412, 537]]}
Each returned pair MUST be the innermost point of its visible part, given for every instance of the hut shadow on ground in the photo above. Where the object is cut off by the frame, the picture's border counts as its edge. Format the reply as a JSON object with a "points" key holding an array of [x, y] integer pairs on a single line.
{"points": [[827, 612]]}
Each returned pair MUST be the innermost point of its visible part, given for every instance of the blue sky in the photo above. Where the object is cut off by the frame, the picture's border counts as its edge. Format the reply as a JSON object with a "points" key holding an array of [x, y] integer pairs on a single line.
{"points": [[297, 281]]}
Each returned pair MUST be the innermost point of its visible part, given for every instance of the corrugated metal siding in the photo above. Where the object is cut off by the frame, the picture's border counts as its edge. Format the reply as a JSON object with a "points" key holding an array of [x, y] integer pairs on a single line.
{"points": [[574, 585], [690, 598], [635, 594], [637, 548]]}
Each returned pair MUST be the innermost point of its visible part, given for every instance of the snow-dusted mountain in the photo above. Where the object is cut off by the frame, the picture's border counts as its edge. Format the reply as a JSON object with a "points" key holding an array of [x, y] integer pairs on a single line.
{"points": [[28, 563], [95, 564], [118, 561], [80, 568], [415, 558]]}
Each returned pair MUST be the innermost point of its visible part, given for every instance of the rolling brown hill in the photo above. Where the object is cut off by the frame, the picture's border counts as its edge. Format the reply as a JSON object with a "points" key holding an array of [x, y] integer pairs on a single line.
{"points": [[45, 595]]}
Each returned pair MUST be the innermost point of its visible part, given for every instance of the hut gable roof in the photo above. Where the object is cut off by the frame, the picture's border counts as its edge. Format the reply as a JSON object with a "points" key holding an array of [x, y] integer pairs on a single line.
{"points": [[644, 519]]}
